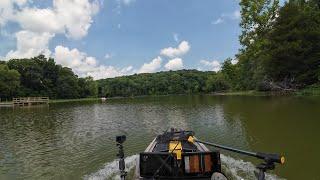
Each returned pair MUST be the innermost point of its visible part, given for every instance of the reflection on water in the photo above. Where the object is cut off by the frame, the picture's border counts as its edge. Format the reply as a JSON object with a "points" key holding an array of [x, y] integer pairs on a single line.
{"points": [[74, 141]]}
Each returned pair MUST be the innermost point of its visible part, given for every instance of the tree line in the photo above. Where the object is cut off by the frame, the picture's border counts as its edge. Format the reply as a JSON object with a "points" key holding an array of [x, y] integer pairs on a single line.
{"points": [[40, 76], [280, 52], [163, 83]]}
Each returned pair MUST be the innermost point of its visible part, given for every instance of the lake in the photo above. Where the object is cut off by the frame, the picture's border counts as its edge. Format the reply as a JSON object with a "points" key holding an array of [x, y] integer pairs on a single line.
{"points": [[76, 140]]}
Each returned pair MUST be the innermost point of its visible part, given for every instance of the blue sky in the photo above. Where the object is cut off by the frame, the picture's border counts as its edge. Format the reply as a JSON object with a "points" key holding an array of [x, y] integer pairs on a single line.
{"points": [[119, 37]]}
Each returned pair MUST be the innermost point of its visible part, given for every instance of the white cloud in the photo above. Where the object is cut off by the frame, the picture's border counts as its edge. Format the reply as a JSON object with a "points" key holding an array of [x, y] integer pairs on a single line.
{"points": [[85, 65], [182, 49], [235, 15], [174, 64], [127, 2], [7, 9], [153, 66], [108, 56], [176, 37], [212, 65], [218, 21], [39, 20], [72, 17], [30, 44]]}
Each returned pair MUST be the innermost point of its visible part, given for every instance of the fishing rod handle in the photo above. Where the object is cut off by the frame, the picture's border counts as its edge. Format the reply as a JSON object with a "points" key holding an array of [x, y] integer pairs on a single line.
{"points": [[271, 157]]}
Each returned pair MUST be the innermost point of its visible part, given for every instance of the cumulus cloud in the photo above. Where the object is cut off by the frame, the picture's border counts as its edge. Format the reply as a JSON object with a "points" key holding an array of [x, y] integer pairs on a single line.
{"points": [[85, 65], [73, 17], [7, 9], [30, 44], [174, 64], [171, 52], [152, 66], [39, 25], [212, 65]]}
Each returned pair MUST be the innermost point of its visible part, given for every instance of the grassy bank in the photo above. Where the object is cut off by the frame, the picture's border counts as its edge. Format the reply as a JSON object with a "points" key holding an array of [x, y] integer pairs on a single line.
{"points": [[242, 93], [53, 101], [313, 90]]}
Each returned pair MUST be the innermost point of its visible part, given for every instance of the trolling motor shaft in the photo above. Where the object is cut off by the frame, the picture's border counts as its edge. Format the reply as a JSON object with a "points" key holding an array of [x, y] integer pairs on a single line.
{"points": [[269, 159], [120, 155]]}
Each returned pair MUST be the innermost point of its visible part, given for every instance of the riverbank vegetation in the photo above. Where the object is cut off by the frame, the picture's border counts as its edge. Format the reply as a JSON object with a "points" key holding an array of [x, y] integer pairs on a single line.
{"points": [[40, 76], [280, 53]]}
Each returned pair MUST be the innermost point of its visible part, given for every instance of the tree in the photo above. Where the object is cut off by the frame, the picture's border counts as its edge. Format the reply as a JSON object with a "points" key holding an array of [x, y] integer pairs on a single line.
{"points": [[230, 72], [67, 84], [216, 83], [293, 52], [88, 87], [9, 82], [257, 17]]}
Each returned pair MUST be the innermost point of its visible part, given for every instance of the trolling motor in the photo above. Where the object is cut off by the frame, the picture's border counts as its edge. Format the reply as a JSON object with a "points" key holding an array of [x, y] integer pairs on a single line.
{"points": [[120, 140], [269, 159]]}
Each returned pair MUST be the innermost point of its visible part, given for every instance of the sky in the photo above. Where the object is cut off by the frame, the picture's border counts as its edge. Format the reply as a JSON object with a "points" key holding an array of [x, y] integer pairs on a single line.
{"points": [[109, 38]]}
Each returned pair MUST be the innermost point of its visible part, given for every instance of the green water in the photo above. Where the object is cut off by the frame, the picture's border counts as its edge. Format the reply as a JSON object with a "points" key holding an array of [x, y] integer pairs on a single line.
{"points": [[75, 140]]}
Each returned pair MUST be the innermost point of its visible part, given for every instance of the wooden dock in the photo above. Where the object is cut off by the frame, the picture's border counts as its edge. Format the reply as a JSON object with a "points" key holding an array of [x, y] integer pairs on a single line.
{"points": [[26, 101]]}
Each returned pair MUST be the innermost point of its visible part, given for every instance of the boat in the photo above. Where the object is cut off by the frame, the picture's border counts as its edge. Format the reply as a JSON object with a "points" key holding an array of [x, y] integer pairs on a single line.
{"points": [[178, 154], [171, 156]]}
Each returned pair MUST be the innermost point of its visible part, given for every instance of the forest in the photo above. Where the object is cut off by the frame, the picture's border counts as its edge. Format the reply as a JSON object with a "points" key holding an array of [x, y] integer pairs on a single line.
{"points": [[40, 76], [280, 51]]}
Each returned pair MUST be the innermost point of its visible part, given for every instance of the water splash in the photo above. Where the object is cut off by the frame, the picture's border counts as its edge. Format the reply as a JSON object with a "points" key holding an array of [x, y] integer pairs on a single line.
{"points": [[236, 169], [239, 169], [111, 169]]}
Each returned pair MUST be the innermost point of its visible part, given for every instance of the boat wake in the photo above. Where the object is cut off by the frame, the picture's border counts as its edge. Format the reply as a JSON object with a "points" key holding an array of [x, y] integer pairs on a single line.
{"points": [[111, 169], [239, 169], [234, 168]]}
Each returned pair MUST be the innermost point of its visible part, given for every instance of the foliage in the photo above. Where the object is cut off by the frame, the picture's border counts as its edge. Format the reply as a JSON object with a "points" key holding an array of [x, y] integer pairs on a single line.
{"points": [[9, 81], [40, 76], [281, 46], [216, 83], [293, 50], [162, 83]]}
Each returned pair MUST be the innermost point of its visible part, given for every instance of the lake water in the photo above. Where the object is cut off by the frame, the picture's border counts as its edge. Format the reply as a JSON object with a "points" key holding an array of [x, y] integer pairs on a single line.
{"points": [[76, 140]]}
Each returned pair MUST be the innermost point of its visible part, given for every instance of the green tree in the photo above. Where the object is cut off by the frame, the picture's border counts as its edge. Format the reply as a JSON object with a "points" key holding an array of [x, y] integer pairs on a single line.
{"points": [[67, 84], [230, 72], [257, 17], [9, 82], [293, 52], [216, 83], [88, 87]]}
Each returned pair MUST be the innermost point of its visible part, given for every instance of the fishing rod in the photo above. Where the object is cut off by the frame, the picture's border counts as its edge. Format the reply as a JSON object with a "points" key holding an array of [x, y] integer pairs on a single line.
{"points": [[269, 159]]}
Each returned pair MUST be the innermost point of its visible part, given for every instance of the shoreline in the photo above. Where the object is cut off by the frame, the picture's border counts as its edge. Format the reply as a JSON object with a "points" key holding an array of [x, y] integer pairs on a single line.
{"points": [[56, 101], [300, 93]]}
